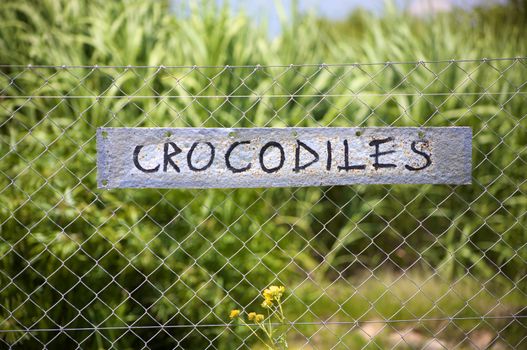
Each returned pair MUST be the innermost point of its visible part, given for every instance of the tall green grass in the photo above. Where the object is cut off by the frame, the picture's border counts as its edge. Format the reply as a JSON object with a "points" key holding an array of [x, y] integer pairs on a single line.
{"points": [[75, 256]]}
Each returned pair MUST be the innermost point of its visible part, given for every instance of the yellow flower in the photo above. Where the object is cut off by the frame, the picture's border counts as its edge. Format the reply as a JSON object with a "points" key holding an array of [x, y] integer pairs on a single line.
{"points": [[267, 303], [259, 318], [273, 293], [251, 316], [267, 294], [234, 313]]}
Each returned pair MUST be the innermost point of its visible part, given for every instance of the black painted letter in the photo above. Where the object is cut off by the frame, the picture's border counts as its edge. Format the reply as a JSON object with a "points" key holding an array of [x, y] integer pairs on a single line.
{"points": [[282, 157], [299, 167], [167, 157], [377, 153], [328, 160], [228, 157], [191, 151], [347, 165], [136, 161], [421, 153]]}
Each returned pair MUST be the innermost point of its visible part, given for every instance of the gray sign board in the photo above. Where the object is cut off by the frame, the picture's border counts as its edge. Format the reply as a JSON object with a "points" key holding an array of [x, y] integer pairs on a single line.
{"points": [[281, 157]]}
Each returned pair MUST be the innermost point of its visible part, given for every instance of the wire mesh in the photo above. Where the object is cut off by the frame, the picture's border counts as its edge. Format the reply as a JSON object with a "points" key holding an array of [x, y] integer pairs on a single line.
{"points": [[364, 267]]}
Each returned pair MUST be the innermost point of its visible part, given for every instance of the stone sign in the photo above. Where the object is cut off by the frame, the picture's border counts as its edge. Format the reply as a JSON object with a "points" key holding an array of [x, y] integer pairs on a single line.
{"points": [[281, 157]]}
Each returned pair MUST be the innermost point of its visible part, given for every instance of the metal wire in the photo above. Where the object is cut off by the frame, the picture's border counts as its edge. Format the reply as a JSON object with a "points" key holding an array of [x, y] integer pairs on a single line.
{"points": [[363, 266]]}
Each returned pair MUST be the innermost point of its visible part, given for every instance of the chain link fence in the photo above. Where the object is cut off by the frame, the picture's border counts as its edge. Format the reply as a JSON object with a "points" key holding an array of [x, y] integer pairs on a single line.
{"points": [[364, 267]]}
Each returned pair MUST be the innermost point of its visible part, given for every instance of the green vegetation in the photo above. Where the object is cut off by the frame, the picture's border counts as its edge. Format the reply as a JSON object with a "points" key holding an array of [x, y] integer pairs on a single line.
{"points": [[74, 256]]}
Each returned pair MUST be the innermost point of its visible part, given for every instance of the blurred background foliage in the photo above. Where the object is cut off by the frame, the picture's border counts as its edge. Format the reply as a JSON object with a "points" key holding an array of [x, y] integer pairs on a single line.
{"points": [[74, 256]]}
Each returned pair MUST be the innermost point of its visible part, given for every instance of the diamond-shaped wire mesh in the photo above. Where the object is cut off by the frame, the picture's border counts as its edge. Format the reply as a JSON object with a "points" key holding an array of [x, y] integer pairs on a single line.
{"points": [[376, 267]]}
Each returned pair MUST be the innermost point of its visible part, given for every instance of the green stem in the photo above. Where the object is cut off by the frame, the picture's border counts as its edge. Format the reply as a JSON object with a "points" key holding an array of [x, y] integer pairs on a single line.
{"points": [[270, 334], [282, 317], [255, 333]]}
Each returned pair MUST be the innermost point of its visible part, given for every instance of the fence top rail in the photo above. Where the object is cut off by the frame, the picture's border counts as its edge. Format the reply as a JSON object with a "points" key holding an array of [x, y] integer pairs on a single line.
{"points": [[256, 66]]}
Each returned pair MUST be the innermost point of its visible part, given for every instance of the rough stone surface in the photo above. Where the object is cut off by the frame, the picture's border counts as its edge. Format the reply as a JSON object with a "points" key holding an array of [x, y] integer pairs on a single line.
{"points": [[448, 149]]}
